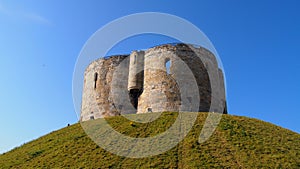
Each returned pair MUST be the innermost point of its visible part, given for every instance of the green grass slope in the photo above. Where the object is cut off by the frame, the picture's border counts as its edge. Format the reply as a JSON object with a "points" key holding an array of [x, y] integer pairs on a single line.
{"points": [[238, 142]]}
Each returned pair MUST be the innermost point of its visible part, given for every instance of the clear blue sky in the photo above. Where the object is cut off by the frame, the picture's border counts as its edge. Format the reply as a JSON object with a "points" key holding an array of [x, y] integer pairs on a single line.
{"points": [[258, 42]]}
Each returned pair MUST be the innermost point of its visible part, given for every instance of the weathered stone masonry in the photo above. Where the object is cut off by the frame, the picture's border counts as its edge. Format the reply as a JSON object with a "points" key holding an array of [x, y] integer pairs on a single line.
{"points": [[142, 79]]}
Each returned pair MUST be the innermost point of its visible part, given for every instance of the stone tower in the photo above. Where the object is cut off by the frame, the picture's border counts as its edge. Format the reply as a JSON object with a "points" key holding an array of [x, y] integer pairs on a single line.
{"points": [[136, 76], [171, 77], [97, 97]]}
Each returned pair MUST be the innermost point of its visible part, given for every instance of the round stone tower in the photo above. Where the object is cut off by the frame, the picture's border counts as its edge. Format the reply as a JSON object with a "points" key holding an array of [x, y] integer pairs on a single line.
{"points": [[97, 99], [171, 77], [177, 77], [161, 92]]}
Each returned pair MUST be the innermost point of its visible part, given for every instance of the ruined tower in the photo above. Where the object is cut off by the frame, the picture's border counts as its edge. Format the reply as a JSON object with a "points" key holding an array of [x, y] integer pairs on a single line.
{"points": [[171, 77]]}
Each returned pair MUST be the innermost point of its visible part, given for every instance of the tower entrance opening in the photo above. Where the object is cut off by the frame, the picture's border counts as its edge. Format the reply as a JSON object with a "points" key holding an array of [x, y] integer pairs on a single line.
{"points": [[134, 95]]}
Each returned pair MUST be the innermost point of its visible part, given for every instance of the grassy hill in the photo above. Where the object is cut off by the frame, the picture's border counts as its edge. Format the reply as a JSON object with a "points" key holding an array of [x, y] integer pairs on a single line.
{"points": [[238, 142]]}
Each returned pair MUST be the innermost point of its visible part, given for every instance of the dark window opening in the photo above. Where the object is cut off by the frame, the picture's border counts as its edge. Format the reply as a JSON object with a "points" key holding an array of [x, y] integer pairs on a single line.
{"points": [[134, 95], [134, 59], [92, 118], [95, 80], [149, 109], [168, 65]]}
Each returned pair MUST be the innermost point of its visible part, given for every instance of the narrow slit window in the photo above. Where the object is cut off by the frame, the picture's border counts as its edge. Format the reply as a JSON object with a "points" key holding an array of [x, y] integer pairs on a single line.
{"points": [[134, 59], [95, 80], [168, 65]]}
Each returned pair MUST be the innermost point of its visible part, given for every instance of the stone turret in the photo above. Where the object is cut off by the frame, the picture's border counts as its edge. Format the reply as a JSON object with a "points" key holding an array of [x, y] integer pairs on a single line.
{"points": [[136, 70], [136, 76]]}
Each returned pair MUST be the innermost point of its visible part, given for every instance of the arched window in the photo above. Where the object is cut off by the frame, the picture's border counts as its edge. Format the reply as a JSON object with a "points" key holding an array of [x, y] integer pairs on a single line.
{"points": [[95, 80], [168, 65]]}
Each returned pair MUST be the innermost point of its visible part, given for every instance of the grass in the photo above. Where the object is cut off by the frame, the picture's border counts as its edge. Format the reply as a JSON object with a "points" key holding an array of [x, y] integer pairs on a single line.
{"points": [[238, 142]]}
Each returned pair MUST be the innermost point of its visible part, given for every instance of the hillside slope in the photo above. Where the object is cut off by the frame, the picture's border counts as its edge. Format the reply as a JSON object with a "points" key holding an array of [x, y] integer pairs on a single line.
{"points": [[238, 142]]}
